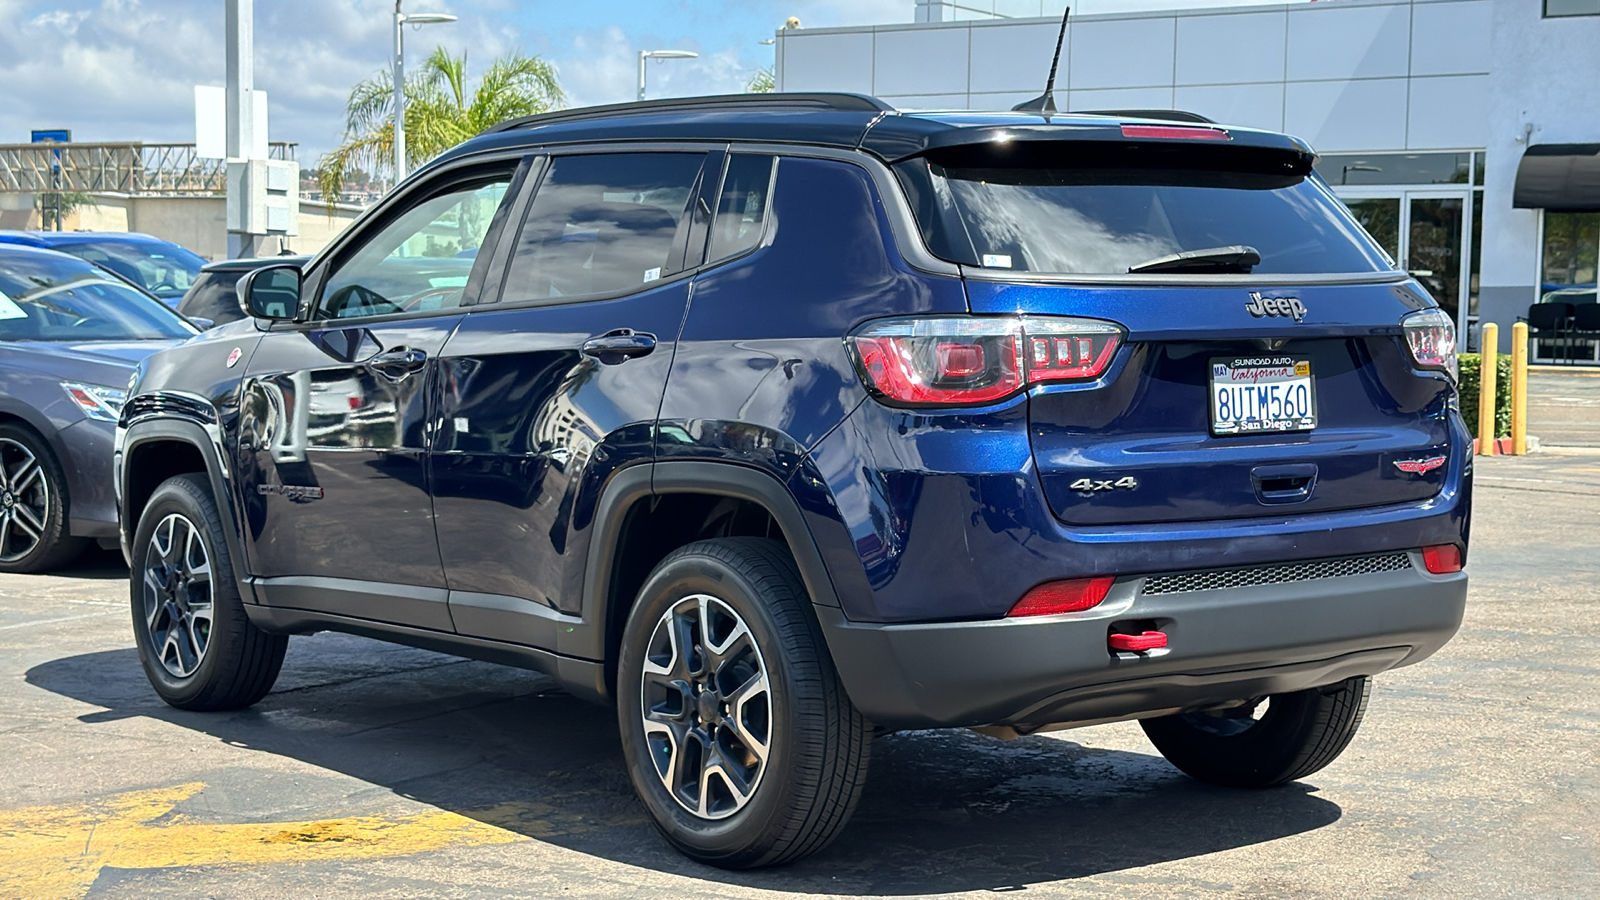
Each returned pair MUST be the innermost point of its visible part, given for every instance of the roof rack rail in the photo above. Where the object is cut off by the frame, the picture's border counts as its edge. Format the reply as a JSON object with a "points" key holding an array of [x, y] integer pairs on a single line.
{"points": [[837, 102], [1171, 115]]}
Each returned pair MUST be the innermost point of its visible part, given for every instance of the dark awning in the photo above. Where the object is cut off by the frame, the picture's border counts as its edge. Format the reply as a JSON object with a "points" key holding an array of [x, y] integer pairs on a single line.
{"points": [[1559, 176]]}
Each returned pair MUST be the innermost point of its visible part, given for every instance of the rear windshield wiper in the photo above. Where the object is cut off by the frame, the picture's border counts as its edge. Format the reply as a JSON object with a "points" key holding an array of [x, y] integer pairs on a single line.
{"points": [[1237, 258]]}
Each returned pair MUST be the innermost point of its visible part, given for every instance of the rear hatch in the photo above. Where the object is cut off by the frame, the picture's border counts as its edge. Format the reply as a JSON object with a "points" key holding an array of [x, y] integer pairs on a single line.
{"points": [[1265, 371]]}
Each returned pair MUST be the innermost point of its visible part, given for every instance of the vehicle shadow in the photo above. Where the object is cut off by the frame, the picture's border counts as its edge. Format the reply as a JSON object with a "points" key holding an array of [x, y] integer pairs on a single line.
{"points": [[96, 564], [942, 811]]}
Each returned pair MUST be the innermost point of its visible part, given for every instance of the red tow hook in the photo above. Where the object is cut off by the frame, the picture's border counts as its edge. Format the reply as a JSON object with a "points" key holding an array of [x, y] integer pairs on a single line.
{"points": [[1137, 643]]}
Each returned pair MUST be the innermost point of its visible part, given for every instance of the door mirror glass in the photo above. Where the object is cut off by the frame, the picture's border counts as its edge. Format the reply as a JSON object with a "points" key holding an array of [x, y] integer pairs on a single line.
{"points": [[271, 293]]}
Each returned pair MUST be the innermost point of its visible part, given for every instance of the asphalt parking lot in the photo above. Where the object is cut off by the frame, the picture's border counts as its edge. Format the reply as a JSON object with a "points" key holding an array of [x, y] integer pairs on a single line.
{"points": [[392, 772]]}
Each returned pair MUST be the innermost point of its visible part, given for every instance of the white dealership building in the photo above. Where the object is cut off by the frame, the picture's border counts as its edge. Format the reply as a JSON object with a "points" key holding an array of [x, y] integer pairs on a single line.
{"points": [[1465, 134]]}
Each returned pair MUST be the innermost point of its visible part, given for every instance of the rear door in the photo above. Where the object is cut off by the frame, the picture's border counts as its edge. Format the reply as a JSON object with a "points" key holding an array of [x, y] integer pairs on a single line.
{"points": [[1264, 372], [335, 417], [549, 391]]}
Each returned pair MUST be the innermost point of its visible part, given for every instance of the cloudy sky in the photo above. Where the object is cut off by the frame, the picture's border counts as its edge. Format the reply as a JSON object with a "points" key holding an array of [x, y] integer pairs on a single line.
{"points": [[126, 69]]}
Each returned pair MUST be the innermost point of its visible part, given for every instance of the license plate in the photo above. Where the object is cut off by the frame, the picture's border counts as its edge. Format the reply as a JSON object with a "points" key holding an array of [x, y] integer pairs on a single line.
{"points": [[1257, 394]]}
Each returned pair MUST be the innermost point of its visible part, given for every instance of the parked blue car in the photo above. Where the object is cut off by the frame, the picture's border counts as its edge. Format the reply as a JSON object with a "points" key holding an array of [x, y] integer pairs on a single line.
{"points": [[778, 421], [159, 267], [70, 336]]}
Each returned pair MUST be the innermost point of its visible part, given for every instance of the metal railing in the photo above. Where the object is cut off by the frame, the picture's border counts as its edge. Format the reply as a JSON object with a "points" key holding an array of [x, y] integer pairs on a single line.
{"points": [[122, 168]]}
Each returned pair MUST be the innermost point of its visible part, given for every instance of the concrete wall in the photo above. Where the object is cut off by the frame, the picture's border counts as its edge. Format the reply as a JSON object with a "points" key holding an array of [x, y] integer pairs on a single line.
{"points": [[1358, 75], [1546, 73], [197, 223]]}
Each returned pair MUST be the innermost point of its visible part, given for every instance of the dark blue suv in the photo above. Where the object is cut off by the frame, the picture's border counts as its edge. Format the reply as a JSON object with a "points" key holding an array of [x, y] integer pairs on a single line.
{"points": [[782, 421]]}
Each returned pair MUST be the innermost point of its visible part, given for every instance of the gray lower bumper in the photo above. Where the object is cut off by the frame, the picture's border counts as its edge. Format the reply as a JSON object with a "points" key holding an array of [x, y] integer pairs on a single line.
{"points": [[1224, 645]]}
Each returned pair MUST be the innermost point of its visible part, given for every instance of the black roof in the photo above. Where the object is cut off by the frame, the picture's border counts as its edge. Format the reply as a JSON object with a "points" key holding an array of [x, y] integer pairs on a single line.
{"points": [[844, 121]]}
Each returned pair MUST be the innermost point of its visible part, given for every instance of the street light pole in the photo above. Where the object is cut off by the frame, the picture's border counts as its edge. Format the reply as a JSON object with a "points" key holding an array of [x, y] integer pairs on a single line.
{"points": [[400, 21], [660, 54]]}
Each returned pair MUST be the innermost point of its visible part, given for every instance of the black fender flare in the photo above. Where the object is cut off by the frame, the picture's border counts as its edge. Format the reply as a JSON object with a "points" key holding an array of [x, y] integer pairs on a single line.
{"points": [[146, 430], [723, 479]]}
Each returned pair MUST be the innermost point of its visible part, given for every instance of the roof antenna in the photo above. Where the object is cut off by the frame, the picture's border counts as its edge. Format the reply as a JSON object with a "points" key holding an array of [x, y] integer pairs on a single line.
{"points": [[1045, 103]]}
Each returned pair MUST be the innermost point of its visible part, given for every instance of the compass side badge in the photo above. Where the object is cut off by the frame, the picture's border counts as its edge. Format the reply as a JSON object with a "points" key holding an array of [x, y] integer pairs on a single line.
{"points": [[233, 357]]}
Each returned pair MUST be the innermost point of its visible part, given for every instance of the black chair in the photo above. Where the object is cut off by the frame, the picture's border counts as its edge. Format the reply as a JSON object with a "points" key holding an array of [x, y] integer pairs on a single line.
{"points": [[1551, 322], [1586, 328]]}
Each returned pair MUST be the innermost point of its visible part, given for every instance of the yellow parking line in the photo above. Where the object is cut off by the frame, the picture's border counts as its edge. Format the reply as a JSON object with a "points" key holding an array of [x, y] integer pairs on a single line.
{"points": [[58, 851]]}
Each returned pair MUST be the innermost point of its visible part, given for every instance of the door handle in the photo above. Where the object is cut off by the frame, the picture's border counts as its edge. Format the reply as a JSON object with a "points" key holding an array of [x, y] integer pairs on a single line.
{"points": [[398, 363], [619, 345]]}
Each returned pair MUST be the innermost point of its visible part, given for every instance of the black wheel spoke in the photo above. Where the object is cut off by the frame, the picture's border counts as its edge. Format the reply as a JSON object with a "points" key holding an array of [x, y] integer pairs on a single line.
{"points": [[24, 501]]}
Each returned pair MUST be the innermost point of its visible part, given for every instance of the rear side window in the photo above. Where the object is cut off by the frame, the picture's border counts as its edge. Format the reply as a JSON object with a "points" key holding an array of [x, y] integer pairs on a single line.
{"points": [[604, 224], [1105, 213], [742, 211]]}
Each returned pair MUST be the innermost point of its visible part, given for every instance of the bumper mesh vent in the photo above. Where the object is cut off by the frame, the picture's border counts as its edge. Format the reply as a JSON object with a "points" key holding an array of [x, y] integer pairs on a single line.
{"points": [[1283, 573]]}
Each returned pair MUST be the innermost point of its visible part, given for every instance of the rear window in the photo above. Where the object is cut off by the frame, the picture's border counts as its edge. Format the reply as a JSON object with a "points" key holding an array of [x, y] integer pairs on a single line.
{"points": [[1105, 210]]}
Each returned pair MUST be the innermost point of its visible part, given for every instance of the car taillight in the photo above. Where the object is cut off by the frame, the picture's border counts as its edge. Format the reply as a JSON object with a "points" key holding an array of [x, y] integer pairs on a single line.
{"points": [[1432, 338], [1055, 597], [1175, 133], [1441, 559], [967, 360]]}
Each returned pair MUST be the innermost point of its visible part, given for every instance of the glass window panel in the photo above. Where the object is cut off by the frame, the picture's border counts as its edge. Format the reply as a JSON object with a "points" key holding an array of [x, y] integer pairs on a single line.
{"points": [[604, 224], [419, 262], [1571, 248], [1395, 168], [743, 208], [1434, 248], [1572, 7], [1477, 250], [1380, 216]]}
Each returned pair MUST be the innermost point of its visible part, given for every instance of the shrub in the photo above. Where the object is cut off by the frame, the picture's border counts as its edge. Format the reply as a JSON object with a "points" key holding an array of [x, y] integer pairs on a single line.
{"points": [[1470, 365]]}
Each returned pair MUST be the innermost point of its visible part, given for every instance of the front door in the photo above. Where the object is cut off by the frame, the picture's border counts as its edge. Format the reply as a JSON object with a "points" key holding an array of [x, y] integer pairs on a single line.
{"points": [[335, 415], [547, 392]]}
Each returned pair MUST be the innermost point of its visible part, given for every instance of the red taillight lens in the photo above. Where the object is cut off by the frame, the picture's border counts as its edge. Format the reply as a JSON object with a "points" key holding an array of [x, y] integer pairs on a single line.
{"points": [[1431, 335], [1442, 559], [1175, 133], [1056, 597], [965, 361]]}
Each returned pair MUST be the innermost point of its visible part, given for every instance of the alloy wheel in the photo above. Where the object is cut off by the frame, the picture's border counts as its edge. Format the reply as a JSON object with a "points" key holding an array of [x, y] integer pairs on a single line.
{"points": [[24, 501], [178, 600], [707, 706]]}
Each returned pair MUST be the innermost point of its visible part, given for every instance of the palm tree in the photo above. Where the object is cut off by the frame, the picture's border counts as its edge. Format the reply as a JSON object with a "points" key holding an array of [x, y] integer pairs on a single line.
{"points": [[440, 113], [763, 82]]}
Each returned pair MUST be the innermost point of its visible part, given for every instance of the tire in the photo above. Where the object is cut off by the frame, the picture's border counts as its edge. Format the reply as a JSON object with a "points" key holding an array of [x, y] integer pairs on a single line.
{"points": [[33, 505], [796, 800], [198, 648], [1298, 734]]}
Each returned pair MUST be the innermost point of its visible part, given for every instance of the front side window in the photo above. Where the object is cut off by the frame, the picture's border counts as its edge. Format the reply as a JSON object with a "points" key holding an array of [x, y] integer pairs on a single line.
{"points": [[604, 224], [421, 260], [1117, 210], [45, 299], [742, 211]]}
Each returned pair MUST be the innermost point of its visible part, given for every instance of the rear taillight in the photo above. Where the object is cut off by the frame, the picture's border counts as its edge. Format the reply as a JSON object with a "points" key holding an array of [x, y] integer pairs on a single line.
{"points": [[966, 361], [1056, 597], [1175, 133], [1432, 338], [1441, 559]]}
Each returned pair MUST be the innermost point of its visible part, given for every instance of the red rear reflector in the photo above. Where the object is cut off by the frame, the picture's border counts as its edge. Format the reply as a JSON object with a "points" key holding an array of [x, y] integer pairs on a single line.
{"points": [[1056, 597], [1175, 133], [1442, 559], [1133, 643]]}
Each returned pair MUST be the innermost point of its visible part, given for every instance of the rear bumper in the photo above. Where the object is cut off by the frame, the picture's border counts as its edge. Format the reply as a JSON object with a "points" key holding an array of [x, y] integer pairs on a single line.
{"points": [[1225, 644]]}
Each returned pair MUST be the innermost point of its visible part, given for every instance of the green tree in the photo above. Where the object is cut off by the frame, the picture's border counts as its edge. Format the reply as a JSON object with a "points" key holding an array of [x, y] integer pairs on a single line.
{"points": [[763, 82], [442, 110]]}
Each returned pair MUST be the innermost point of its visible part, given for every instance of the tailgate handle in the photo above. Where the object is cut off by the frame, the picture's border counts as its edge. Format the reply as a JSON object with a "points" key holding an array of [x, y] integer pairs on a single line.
{"points": [[1291, 483]]}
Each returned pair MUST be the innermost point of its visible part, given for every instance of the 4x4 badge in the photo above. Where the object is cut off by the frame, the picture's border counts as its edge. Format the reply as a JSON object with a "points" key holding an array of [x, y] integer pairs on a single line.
{"points": [[1287, 307], [1419, 466]]}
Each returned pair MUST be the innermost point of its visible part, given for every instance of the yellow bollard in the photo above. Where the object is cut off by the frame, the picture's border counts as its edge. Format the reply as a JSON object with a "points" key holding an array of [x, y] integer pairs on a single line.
{"points": [[1519, 388], [1490, 342]]}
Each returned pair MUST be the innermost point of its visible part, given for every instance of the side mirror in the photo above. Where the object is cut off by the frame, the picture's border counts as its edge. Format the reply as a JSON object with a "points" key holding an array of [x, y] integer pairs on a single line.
{"points": [[270, 292], [202, 323]]}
